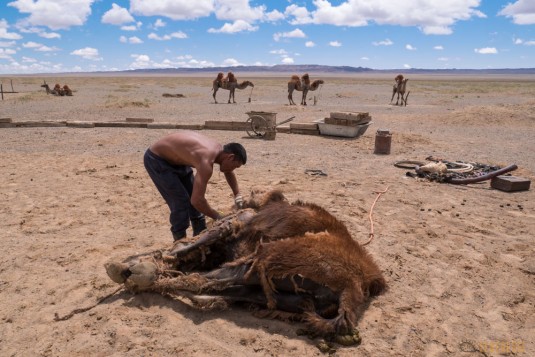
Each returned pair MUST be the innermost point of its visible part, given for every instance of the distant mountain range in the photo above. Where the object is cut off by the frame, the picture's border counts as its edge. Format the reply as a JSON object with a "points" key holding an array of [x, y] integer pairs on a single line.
{"points": [[332, 69]]}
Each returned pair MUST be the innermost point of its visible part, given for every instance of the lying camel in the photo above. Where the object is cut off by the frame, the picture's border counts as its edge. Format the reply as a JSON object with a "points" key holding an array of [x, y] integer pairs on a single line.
{"points": [[400, 87], [303, 85], [294, 262], [58, 90], [229, 83]]}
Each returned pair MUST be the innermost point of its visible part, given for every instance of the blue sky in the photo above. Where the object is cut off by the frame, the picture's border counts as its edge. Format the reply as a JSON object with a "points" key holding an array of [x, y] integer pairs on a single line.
{"points": [[49, 36]]}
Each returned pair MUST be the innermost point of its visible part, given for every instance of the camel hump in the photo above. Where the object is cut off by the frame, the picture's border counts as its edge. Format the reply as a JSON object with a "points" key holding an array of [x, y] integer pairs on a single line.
{"points": [[295, 77]]}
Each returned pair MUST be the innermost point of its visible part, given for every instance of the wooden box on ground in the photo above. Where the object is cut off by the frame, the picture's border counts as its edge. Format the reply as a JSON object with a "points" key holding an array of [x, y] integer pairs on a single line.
{"points": [[510, 183], [348, 118]]}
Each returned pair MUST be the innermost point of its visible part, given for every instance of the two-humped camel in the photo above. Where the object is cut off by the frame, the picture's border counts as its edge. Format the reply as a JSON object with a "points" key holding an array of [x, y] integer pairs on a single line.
{"points": [[230, 83], [302, 85], [399, 88], [58, 90]]}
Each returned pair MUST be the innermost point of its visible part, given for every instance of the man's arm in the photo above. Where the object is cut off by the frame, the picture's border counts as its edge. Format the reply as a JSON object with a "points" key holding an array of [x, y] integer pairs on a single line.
{"points": [[198, 199], [232, 182]]}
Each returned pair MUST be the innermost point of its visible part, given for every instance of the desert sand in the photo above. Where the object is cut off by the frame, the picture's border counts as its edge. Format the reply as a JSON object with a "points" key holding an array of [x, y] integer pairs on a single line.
{"points": [[459, 260]]}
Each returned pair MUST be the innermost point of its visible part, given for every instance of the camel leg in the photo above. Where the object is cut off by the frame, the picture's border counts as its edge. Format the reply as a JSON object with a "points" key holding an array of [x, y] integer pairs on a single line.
{"points": [[304, 98], [393, 94], [215, 91], [290, 98], [229, 95]]}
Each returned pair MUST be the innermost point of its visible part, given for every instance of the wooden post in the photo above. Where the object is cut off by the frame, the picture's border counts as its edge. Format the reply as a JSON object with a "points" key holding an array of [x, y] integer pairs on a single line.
{"points": [[12, 86], [2, 91]]}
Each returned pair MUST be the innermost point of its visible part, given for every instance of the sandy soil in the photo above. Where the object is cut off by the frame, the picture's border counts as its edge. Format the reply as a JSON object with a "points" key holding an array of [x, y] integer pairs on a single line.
{"points": [[459, 260]]}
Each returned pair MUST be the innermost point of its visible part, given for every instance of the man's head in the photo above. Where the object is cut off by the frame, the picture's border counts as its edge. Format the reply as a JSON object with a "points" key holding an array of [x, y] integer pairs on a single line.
{"points": [[237, 150]]}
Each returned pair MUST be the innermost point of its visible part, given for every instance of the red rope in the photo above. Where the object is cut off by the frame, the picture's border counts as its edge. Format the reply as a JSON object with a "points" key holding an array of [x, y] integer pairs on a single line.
{"points": [[379, 193]]}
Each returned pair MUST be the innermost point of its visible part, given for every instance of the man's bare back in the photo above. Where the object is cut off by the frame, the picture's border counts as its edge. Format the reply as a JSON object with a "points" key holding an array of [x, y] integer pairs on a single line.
{"points": [[187, 148]]}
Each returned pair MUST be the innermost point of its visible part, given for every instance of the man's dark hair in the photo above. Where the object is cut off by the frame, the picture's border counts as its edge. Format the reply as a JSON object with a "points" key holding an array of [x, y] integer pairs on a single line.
{"points": [[238, 150]]}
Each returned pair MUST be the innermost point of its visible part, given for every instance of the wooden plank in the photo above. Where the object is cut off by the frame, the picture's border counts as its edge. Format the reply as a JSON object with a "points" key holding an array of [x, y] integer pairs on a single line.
{"points": [[190, 126], [350, 115], [303, 126], [39, 124], [5, 120], [283, 129], [80, 124], [140, 120], [225, 125], [161, 126], [120, 125], [304, 131]]}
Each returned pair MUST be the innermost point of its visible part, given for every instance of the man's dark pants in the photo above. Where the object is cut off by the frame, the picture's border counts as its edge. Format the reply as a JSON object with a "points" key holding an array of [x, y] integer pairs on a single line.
{"points": [[175, 183]]}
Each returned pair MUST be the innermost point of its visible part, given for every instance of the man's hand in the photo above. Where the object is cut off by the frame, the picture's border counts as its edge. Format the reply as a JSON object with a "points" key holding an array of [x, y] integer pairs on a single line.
{"points": [[238, 200]]}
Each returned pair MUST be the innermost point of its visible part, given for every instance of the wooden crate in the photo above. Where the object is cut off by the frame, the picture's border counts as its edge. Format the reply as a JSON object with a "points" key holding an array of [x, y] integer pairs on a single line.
{"points": [[510, 183]]}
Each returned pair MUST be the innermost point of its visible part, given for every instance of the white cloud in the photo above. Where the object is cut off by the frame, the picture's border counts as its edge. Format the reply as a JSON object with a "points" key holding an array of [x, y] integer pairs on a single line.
{"points": [[87, 53], [28, 59], [278, 52], [410, 47], [407, 66], [287, 60], [386, 42], [159, 23], [156, 37], [274, 16], [365, 58], [231, 62], [5, 34], [438, 48], [7, 44], [335, 44], [309, 44], [238, 10], [117, 15], [431, 17], [297, 33], [141, 61], [522, 12], [443, 59], [133, 40], [173, 9], [236, 26], [486, 50], [39, 47], [520, 41], [49, 35], [55, 14]]}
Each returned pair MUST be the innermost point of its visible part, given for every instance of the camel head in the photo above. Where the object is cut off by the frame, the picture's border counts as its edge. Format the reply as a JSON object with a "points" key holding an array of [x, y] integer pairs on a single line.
{"points": [[398, 78]]}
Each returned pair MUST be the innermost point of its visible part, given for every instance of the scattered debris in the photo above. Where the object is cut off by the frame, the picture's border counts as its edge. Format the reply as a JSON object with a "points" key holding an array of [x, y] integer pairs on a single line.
{"points": [[178, 95]]}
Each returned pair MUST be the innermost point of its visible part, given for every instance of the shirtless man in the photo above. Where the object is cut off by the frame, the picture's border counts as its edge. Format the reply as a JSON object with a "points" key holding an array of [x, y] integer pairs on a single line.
{"points": [[169, 162]]}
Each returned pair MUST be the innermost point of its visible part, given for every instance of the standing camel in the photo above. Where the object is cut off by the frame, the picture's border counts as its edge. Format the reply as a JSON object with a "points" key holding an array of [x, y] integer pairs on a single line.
{"points": [[303, 85], [229, 83], [399, 88]]}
